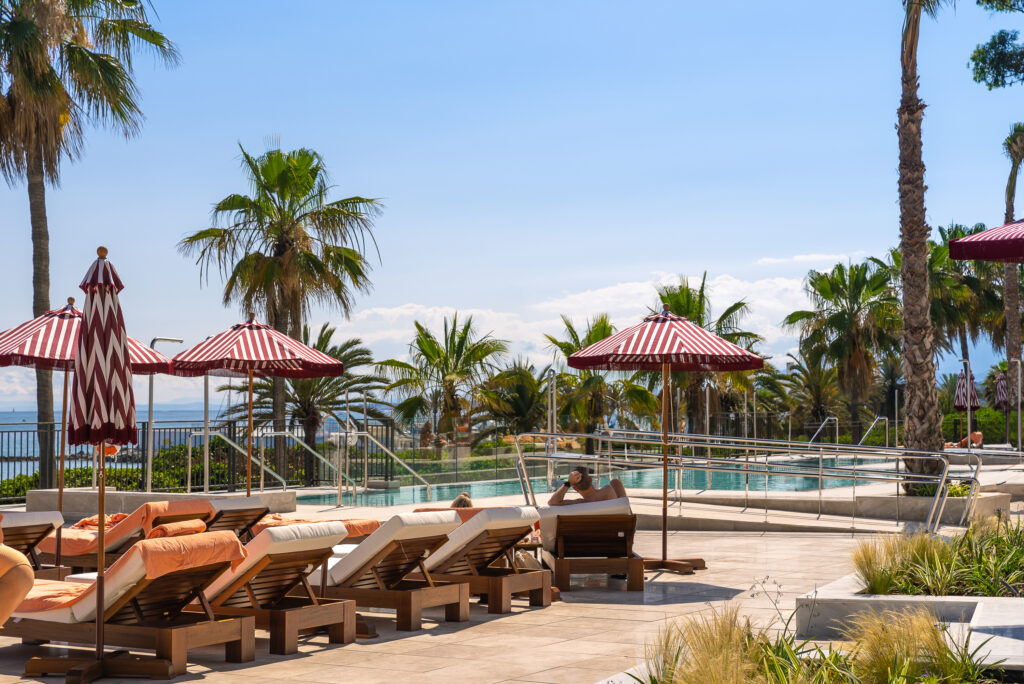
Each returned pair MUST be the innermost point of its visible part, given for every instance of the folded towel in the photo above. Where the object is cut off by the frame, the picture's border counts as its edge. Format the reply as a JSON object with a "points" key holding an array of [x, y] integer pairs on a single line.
{"points": [[177, 529], [357, 527]]}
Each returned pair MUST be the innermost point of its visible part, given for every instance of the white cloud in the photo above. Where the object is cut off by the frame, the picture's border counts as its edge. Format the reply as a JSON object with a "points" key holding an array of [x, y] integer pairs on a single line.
{"points": [[812, 258]]}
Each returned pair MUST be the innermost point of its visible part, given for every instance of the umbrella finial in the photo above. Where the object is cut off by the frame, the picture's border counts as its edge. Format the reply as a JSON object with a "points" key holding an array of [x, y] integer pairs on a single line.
{"points": [[252, 316], [101, 252], [664, 307], [71, 301]]}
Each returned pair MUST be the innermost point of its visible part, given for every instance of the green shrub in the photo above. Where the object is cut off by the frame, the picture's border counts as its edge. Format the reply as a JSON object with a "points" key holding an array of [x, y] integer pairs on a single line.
{"points": [[990, 422]]}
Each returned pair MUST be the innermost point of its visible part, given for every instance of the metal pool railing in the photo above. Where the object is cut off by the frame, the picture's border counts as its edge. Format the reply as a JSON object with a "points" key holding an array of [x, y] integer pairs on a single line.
{"points": [[768, 458]]}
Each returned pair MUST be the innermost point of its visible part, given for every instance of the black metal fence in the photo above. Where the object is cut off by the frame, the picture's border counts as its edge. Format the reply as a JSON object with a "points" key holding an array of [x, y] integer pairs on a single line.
{"points": [[25, 465]]}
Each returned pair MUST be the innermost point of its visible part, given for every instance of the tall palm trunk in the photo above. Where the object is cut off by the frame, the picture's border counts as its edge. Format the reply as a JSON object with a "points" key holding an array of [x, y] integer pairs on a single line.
{"points": [[923, 422], [1011, 294], [40, 305]]}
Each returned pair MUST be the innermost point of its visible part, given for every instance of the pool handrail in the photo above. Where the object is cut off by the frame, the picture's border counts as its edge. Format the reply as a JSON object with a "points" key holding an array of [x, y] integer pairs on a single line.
{"points": [[687, 462]]}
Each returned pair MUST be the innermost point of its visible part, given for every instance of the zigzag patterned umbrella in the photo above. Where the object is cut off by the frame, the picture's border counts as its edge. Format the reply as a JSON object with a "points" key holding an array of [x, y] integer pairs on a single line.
{"points": [[1002, 396], [666, 342], [103, 404], [966, 393]]}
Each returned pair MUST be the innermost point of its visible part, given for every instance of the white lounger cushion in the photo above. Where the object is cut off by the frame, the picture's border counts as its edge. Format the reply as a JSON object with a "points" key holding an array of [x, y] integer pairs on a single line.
{"points": [[19, 519], [486, 519], [282, 539], [401, 526], [235, 503], [116, 582], [549, 515]]}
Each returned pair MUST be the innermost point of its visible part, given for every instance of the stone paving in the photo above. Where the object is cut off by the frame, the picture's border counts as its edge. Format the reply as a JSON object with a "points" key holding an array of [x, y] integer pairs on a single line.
{"points": [[597, 631]]}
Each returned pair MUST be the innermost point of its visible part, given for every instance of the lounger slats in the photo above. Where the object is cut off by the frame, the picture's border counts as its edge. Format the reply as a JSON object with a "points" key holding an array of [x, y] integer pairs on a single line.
{"points": [[237, 520], [596, 536], [24, 539], [485, 550], [269, 582], [399, 558], [160, 601]]}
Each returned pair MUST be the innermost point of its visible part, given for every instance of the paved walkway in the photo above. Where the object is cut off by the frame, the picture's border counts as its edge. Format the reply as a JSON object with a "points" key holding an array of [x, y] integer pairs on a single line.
{"points": [[597, 631]]}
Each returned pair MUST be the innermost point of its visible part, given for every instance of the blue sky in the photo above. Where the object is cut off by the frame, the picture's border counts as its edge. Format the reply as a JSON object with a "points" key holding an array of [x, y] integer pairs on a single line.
{"points": [[534, 158]]}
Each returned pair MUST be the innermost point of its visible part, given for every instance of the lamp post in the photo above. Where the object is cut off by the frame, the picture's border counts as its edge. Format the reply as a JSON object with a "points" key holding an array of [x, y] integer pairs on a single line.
{"points": [[149, 417], [1017, 361]]}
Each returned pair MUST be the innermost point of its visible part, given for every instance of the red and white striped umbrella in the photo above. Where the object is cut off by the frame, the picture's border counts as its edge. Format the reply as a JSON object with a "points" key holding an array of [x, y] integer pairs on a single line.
{"points": [[965, 393], [666, 342], [102, 400], [1002, 396], [665, 338], [256, 347], [48, 342], [1005, 243], [103, 404]]}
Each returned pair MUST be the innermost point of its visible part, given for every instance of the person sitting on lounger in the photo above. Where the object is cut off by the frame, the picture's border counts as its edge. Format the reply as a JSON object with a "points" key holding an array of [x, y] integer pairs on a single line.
{"points": [[580, 480], [462, 501], [976, 442]]}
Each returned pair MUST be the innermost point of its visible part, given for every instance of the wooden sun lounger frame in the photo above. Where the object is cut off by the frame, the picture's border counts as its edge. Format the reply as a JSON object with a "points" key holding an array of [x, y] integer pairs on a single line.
{"points": [[263, 590], [472, 565], [25, 539], [600, 544], [87, 561], [237, 520], [383, 582], [149, 616]]}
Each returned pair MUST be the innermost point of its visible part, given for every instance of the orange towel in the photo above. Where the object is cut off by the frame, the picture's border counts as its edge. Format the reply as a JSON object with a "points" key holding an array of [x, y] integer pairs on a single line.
{"points": [[93, 522], [357, 527], [177, 529], [159, 556]]}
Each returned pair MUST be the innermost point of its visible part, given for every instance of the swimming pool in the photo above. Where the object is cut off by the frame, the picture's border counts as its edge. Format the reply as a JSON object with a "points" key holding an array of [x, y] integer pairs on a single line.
{"points": [[643, 479]]}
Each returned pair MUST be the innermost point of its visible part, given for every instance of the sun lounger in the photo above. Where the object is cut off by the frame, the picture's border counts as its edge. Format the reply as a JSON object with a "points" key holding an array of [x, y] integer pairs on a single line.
{"points": [[358, 528], [591, 538], [279, 560], [79, 543], [473, 549], [375, 572], [145, 592], [24, 531], [237, 515]]}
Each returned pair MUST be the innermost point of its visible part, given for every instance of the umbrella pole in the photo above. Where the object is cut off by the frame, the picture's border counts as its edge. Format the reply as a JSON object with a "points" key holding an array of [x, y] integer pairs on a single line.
{"points": [[60, 472], [100, 558], [248, 461], [664, 462]]}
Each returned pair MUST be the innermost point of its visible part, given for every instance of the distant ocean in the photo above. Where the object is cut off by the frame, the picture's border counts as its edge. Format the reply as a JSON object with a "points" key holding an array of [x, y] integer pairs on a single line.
{"points": [[14, 420]]}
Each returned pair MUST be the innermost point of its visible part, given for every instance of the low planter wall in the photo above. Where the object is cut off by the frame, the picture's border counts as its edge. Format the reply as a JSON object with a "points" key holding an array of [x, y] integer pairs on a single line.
{"points": [[81, 502]]}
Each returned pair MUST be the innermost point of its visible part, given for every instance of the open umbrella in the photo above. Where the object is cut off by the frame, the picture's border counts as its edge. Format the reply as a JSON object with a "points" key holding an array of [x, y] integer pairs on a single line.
{"points": [[102, 413], [48, 342], [670, 343], [257, 349]]}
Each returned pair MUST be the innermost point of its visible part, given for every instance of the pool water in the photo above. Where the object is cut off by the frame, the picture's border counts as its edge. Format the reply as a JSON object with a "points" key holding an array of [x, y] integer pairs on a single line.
{"points": [[643, 479]]}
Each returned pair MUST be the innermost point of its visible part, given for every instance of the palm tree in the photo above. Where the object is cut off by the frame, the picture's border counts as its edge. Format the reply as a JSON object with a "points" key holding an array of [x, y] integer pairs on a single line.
{"points": [[589, 398], [309, 401], [1013, 147], [852, 322], [63, 65], [924, 423], [286, 246], [440, 373], [694, 303], [812, 386], [514, 399]]}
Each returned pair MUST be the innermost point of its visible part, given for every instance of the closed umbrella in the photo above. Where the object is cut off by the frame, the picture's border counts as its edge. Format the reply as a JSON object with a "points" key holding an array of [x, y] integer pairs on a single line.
{"points": [[255, 349], [48, 342], [1003, 402], [965, 398], [670, 343], [102, 413]]}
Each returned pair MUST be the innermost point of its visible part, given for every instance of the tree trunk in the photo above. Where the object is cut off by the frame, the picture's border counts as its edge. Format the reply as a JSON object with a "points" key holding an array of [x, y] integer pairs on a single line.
{"points": [[309, 428], [923, 422], [1011, 299], [40, 305], [856, 429], [964, 351]]}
